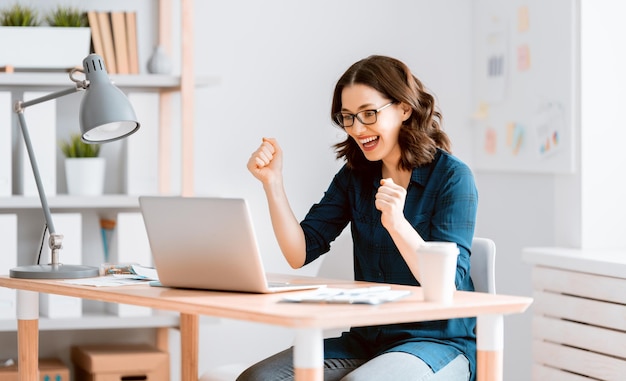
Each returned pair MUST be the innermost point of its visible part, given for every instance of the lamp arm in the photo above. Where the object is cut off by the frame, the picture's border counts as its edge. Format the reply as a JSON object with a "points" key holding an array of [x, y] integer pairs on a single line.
{"points": [[56, 240], [21, 105]]}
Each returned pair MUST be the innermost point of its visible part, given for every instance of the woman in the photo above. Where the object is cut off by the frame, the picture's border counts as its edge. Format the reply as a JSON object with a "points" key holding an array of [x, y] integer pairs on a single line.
{"points": [[400, 186]]}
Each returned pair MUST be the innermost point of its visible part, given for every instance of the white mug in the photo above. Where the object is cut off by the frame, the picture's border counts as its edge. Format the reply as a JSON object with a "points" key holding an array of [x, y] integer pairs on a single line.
{"points": [[437, 269]]}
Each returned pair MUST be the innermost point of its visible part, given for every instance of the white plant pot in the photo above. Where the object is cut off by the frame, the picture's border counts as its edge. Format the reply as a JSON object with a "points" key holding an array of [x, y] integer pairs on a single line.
{"points": [[85, 176], [43, 47]]}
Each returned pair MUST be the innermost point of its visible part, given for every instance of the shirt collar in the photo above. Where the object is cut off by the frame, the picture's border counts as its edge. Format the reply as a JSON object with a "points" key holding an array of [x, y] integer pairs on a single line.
{"points": [[419, 175]]}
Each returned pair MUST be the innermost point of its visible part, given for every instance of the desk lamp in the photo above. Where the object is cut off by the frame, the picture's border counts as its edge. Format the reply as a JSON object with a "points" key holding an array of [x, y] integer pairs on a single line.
{"points": [[105, 115]]}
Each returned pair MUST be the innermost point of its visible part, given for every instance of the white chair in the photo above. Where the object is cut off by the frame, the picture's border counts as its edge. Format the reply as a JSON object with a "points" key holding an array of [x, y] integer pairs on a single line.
{"points": [[482, 271], [483, 265]]}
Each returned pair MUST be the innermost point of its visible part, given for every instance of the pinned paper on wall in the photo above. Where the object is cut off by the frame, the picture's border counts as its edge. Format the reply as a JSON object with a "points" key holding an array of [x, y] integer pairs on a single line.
{"points": [[482, 112], [491, 140], [496, 60], [549, 126], [523, 57], [529, 90], [514, 137], [523, 19]]}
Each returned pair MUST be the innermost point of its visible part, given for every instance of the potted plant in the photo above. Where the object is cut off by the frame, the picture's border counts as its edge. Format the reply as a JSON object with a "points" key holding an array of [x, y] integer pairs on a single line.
{"points": [[84, 169], [67, 17], [19, 15], [26, 43]]}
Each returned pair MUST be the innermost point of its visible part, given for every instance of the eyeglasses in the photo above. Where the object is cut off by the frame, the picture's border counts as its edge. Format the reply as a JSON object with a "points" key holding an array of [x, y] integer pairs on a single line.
{"points": [[366, 117]]}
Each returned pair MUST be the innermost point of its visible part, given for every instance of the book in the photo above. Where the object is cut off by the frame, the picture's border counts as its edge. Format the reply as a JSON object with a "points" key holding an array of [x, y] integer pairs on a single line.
{"points": [[118, 28], [96, 37], [133, 46], [104, 22]]}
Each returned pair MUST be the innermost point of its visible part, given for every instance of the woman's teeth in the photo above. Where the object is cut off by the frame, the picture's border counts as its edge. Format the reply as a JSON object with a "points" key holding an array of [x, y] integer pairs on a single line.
{"points": [[368, 140]]}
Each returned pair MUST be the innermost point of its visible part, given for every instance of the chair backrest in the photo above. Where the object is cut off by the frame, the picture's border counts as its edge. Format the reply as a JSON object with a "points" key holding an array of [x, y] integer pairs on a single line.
{"points": [[483, 265]]}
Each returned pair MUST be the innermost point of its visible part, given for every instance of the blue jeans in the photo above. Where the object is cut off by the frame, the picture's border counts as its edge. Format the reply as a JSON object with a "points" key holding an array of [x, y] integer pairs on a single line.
{"points": [[392, 366]]}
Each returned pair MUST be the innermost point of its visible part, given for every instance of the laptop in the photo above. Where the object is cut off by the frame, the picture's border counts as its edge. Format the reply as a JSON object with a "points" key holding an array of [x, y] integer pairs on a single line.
{"points": [[207, 243]]}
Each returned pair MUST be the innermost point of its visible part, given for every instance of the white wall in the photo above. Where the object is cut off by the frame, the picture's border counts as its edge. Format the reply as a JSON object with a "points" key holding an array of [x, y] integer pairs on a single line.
{"points": [[279, 61], [601, 197]]}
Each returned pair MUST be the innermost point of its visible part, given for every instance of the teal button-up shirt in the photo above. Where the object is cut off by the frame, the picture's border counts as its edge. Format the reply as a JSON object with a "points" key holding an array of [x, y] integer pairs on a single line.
{"points": [[441, 204]]}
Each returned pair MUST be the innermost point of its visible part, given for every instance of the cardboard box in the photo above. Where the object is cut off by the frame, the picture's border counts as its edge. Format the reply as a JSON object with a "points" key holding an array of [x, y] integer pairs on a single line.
{"points": [[49, 370], [120, 362]]}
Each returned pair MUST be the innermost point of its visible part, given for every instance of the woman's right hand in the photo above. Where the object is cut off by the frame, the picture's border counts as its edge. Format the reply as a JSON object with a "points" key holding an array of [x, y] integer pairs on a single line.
{"points": [[266, 162]]}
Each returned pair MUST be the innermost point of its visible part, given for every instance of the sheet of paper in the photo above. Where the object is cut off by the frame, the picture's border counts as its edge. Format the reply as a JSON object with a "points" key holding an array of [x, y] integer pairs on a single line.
{"points": [[108, 281], [362, 295], [147, 273]]}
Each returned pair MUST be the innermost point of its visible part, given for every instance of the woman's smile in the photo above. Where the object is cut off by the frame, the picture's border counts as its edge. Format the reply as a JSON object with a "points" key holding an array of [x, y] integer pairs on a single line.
{"points": [[369, 143]]}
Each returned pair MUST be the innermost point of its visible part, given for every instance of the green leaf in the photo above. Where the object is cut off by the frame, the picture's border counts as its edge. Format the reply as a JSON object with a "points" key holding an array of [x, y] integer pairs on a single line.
{"points": [[75, 147], [65, 16], [19, 15]]}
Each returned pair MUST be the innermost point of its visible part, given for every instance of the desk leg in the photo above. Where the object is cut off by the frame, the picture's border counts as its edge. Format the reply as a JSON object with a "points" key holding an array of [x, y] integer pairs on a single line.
{"points": [[308, 355], [28, 335], [189, 347], [162, 339], [489, 346]]}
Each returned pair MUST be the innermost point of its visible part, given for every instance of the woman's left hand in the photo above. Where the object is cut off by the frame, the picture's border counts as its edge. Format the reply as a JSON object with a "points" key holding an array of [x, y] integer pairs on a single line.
{"points": [[390, 201]]}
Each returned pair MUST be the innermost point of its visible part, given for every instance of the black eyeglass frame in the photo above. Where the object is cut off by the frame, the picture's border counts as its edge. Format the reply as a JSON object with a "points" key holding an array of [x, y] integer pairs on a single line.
{"points": [[338, 117]]}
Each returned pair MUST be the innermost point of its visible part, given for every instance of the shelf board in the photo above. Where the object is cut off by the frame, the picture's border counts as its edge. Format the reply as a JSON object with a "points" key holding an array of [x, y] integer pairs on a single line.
{"points": [[97, 321], [59, 80], [106, 201]]}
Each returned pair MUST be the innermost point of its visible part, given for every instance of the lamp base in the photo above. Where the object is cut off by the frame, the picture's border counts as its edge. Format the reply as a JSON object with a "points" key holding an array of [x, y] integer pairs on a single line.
{"points": [[54, 272]]}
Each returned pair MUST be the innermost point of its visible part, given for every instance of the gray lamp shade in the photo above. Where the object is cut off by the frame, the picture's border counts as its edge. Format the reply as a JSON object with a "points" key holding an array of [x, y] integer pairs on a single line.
{"points": [[105, 112]]}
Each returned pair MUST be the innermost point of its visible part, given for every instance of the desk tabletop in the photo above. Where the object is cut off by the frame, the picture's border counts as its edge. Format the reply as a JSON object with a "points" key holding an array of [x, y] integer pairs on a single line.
{"points": [[269, 309]]}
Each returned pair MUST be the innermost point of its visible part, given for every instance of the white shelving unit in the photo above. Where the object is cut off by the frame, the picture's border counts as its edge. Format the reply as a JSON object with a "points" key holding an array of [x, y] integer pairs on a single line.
{"points": [[56, 81], [91, 321], [94, 317], [28, 208], [64, 202]]}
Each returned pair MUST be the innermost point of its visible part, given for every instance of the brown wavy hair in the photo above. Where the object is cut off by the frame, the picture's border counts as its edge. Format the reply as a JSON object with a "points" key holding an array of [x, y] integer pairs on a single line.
{"points": [[420, 135]]}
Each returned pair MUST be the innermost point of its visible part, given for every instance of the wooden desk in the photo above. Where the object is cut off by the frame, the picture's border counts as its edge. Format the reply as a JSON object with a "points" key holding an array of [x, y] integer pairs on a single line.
{"points": [[309, 320]]}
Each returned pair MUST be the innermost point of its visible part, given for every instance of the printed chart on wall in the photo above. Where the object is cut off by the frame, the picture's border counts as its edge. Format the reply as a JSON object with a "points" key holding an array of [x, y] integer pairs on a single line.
{"points": [[525, 78]]}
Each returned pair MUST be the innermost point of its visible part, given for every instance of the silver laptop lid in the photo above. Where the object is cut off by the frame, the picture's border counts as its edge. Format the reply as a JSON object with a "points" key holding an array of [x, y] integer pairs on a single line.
{"points": [[204, 243]]}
